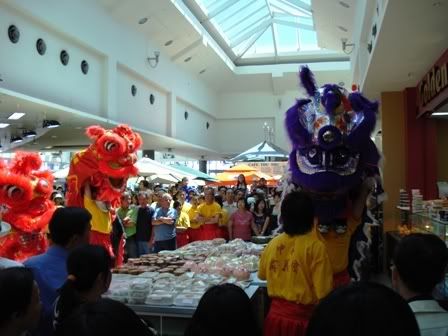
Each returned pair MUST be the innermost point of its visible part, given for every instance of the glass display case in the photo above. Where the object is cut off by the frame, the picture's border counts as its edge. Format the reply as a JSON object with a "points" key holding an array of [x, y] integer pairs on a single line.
{"points": [[423, 222]]}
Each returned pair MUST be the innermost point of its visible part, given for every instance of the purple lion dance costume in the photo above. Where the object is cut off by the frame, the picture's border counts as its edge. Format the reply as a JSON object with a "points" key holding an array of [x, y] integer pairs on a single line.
{"points": [[332, 157]]}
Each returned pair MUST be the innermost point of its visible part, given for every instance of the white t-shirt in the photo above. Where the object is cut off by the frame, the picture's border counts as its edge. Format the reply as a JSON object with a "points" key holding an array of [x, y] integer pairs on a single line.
{"points": [[431, 317]]}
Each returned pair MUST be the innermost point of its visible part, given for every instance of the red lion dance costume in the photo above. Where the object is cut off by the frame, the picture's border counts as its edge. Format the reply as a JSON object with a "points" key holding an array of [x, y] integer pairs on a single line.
{"points": [[98, 176], [25, 192]]}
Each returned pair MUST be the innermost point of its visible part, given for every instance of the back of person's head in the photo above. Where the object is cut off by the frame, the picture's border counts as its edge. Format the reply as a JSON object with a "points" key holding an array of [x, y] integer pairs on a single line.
{"points": [[223, 310], [104, 318], [421, 260], [297, 213], [69, 223], [19, 298], [219, 200], [363, 309], [176, 205], [89, 270]]}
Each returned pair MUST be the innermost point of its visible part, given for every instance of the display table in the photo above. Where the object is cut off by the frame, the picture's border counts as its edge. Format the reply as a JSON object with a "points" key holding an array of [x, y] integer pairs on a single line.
{"points": [[173, 320]]}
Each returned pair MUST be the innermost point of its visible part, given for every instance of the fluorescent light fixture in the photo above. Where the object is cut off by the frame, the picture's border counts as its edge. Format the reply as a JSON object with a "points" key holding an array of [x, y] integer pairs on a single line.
{"points": [[435, 114], [50, 124], [29, 134], [16, 116], [3, 125], [16, 139]]}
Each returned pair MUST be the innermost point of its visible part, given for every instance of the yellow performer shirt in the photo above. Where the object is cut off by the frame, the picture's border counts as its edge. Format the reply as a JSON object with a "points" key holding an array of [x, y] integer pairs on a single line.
{"points": [[297, 268], [101, 221], [338, 245], [192, 213], [209, 210], [183, 221]]}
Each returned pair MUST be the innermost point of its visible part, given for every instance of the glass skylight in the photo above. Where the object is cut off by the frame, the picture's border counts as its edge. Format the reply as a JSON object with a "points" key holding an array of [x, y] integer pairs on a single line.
{"points": [[263, 28]]}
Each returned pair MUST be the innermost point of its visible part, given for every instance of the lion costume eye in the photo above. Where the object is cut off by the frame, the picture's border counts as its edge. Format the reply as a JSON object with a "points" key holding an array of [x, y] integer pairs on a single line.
{"points": [[13, 192], [109, 146]]}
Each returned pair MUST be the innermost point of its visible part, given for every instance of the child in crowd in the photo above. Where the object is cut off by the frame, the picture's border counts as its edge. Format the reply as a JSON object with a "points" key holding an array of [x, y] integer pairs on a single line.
{"points": [[363, 309], [105, 318], [89, 277], [182, 225], [223, 310], [194, 232], [20, 302], [297, 269]]}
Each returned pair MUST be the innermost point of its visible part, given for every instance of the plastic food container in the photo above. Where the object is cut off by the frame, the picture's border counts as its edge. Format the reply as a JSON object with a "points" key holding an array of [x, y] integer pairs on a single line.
{"points": [[160, 299], [187, 300]]}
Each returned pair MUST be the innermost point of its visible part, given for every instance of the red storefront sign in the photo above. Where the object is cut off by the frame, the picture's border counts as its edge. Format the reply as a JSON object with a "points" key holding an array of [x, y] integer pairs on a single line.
{"points": [[432, 90]]}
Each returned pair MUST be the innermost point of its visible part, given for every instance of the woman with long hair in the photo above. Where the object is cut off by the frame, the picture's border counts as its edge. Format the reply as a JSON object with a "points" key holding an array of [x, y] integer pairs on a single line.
{"points": [[261, 217], [241, 183], [89, 276]]}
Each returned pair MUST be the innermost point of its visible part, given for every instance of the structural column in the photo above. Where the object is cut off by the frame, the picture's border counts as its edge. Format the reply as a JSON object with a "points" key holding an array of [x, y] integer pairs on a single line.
{"points": [[203, 166], [149, 153]]}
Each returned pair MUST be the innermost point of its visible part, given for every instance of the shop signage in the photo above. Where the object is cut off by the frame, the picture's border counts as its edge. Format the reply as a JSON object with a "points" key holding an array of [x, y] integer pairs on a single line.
{"points": [[270, 168], [432, 91]]}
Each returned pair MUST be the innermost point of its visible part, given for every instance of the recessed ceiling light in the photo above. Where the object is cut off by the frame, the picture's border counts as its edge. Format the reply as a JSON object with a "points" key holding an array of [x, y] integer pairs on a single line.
{"points": [[188, 59], [168, 43], [54, 136], [16, 139], [50, 123], [29, 134], [3, 125], [48, 147], [143, 20], [202, 71], [344, 4], [78, 127], [343, 29], [16, 116]]}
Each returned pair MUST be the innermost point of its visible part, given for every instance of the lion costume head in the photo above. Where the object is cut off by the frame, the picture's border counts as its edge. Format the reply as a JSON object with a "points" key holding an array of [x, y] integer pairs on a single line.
{"points": [[106, 164], [25, 193]]}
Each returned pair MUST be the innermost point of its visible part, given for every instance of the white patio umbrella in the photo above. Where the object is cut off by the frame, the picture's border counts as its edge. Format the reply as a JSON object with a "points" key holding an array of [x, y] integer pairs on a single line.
{"points": [[148, 167], [261, 152], [61, 174]]}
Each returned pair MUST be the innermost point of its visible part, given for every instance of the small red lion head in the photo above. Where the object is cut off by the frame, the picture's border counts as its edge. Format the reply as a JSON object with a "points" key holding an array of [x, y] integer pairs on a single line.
{"points": [[116, 150], [25, 191]]}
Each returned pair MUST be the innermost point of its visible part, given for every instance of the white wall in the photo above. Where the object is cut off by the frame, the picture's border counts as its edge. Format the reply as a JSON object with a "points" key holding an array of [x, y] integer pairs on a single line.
{"points": [[194, 128], [116, 55], [25, 71], [138, 109], [248, 112]]}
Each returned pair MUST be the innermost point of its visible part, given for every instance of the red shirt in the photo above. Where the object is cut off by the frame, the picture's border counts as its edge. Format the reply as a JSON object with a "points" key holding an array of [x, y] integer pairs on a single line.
{"points": [[241, 224]]}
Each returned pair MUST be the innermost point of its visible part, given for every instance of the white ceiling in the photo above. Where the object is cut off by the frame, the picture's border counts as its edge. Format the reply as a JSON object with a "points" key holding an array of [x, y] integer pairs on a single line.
{"points": [[166, 23], [70, 136], [413, 36]]}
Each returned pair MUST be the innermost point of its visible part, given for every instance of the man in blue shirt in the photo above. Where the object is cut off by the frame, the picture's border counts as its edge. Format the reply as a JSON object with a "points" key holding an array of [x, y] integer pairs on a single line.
{"points": [[69, 227], [164, 225]]}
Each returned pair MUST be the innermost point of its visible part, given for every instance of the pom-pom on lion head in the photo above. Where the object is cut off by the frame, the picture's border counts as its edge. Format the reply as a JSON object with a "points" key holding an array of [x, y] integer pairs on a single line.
{"points": [[330, 133]]}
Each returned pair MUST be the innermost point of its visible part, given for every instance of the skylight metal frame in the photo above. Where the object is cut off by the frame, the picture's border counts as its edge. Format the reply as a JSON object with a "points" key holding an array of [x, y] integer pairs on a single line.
{"points": [[225, 21]]}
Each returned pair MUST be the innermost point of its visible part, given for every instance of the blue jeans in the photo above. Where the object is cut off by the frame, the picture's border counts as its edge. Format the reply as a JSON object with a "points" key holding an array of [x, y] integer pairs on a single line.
{"points": [[142, 248]]}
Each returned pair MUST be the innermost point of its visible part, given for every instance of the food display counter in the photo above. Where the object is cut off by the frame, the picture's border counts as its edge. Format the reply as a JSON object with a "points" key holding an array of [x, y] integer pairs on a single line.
{"points": [[165, 288]]}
